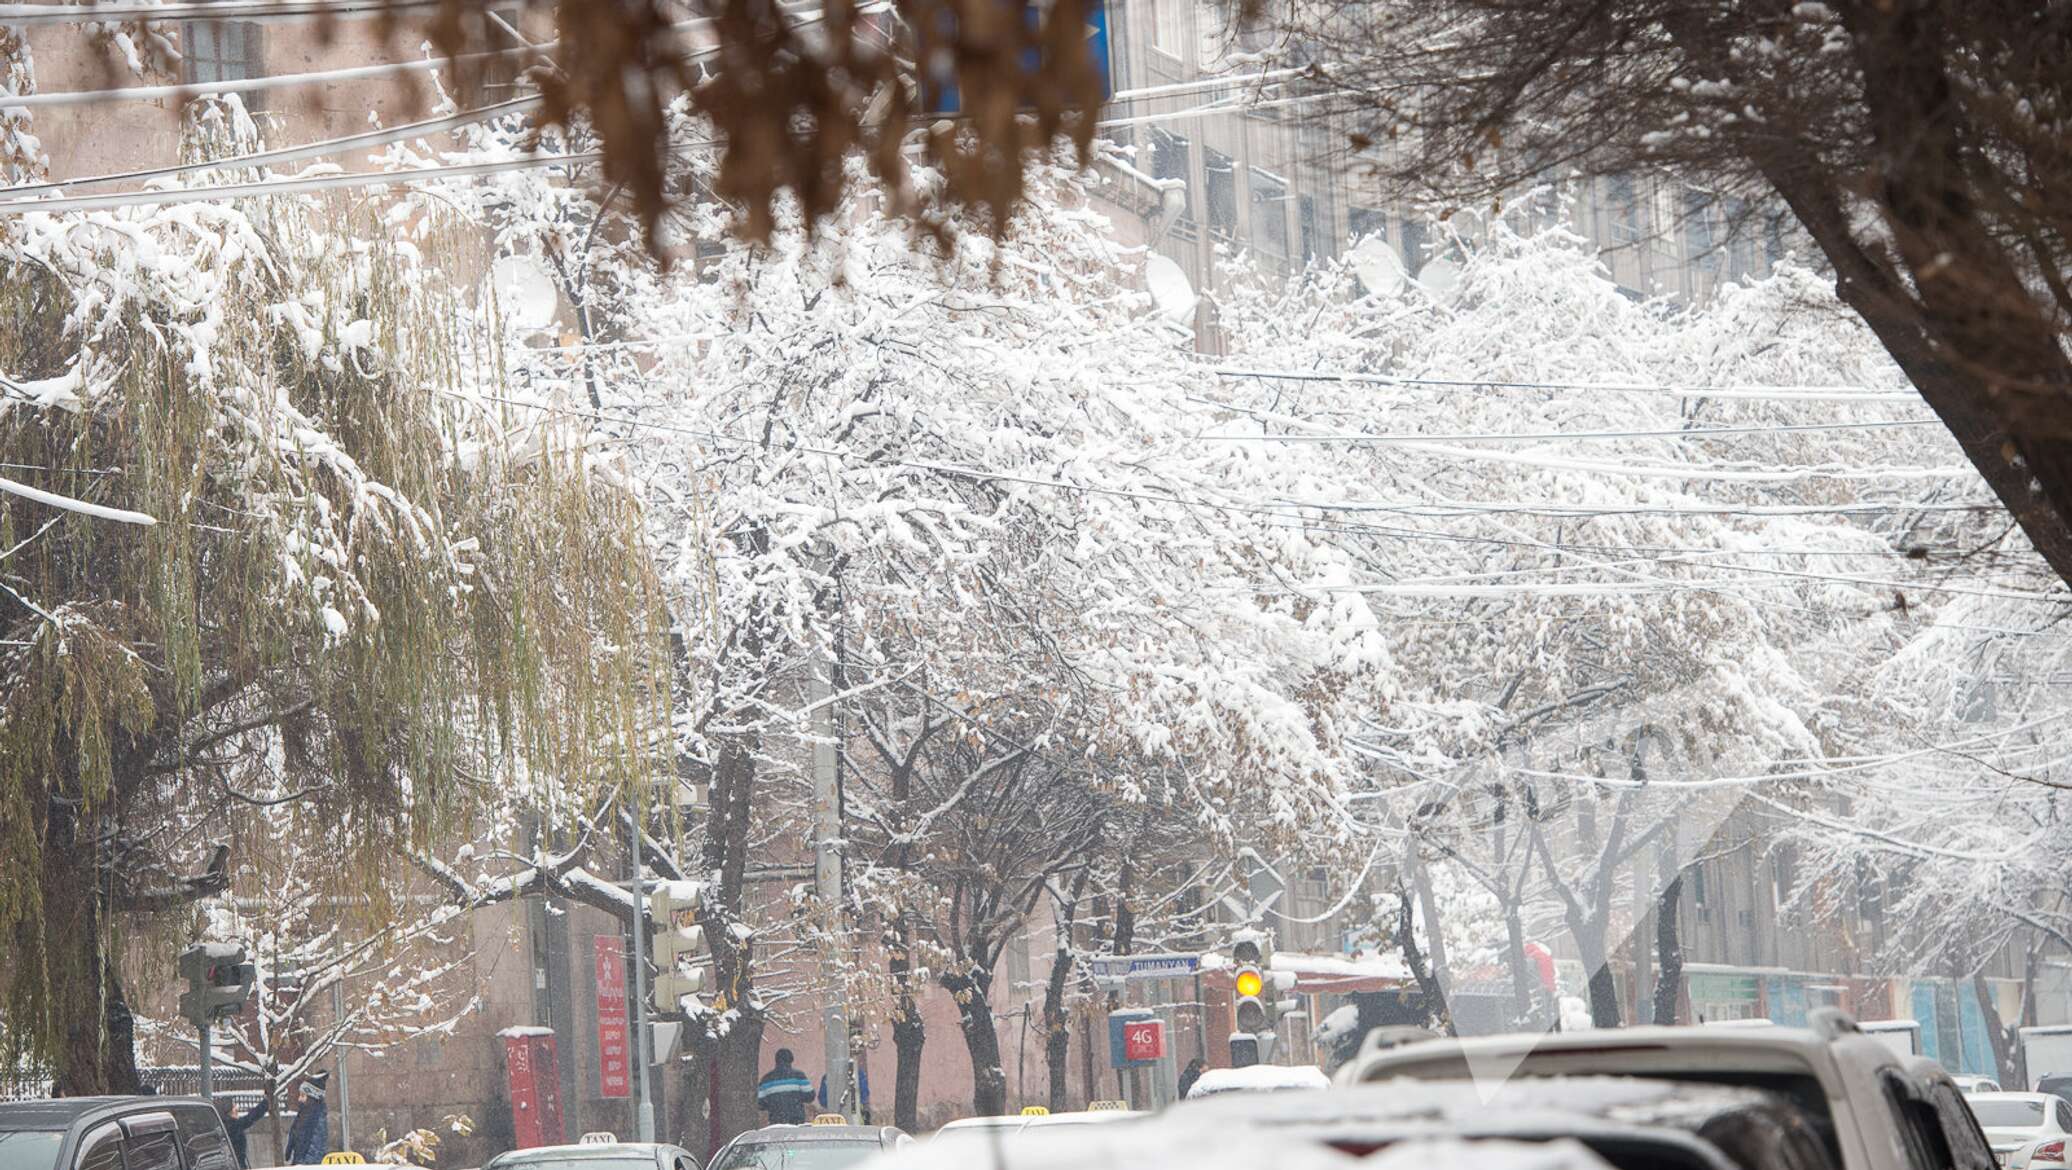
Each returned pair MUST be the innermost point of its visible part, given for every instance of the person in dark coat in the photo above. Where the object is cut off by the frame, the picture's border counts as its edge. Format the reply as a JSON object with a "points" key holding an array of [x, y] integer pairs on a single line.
{"points": [[1189, 1075], [309, 1139], [237, 1126], [784, 1091]]}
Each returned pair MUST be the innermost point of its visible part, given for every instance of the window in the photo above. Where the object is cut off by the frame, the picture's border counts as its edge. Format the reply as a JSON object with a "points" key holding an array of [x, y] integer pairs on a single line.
{"points": [[159, 1150], [1165, 26], [1361, 222], [223, 50], [1306, 224], [1740, 238], [1269, 212], [1169, 160], [102, 1150], [208, 1148], [1219, 187], [1621, 210], [1701, 237], [1960, 1130]]}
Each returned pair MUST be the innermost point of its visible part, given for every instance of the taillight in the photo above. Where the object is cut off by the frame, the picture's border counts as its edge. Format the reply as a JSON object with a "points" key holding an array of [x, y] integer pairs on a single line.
{"points": [[2048, 1152]]}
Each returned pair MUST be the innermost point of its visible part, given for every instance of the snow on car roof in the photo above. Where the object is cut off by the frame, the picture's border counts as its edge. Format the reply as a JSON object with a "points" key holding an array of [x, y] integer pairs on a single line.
{"points": [[1258, 1078], [1158, 1146], [1465, 1106]]}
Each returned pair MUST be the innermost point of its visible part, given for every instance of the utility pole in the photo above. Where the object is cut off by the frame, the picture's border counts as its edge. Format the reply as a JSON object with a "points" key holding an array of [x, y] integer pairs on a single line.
{"points": [[345, 1091], [644, 1108], [827, 875], [208, 1041]]}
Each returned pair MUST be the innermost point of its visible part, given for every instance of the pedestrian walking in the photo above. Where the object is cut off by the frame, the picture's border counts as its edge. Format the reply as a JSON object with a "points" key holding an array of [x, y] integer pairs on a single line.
{"points": [[309, 1139], [1189, 1075], [237, 1126], [784, 1091]]}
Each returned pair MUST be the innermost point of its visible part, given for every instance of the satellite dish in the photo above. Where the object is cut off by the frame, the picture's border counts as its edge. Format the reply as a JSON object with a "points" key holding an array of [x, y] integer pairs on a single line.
{"points": [[1378, 267], [1172, 294], [1440, 278], [525, 292]]}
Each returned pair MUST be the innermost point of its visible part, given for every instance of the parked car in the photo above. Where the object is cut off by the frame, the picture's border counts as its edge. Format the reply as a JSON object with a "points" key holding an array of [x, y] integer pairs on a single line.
{"points": [[821, 1146], [591, 1154], [1872, 1111], [1968, 1085], [2012, 1121], [114, 1133], [1630, 1122], [1257, 1078]]}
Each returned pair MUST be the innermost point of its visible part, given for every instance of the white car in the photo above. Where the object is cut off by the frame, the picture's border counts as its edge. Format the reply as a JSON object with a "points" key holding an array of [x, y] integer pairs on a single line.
{"points": [[1969, 1084], [1258, 1078], [2026, 1130]]}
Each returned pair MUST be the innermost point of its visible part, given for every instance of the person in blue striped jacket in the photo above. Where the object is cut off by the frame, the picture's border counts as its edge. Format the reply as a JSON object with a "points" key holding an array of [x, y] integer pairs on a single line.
{"points": [[784, 1091]]}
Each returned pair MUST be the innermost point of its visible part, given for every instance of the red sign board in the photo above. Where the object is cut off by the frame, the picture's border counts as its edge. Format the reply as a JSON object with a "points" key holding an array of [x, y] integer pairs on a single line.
{"points": [[614, 1049], [533, 1083], [1144, 1040]]}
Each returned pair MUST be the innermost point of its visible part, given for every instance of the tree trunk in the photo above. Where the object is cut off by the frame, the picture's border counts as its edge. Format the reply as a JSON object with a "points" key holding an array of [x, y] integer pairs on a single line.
{"points": [[1604, 992], [981, 1041], [909, 1034], [95, 1043], [1437, 1017], [1668, 953], [1523, 977], [737, 1051], [1057, 1025], [1997, 1031]]}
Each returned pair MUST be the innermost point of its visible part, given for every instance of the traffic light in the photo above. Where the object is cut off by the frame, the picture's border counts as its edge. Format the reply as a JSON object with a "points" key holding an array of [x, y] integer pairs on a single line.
{"points": [[219, 981], [1249, 983], [679, 943]]}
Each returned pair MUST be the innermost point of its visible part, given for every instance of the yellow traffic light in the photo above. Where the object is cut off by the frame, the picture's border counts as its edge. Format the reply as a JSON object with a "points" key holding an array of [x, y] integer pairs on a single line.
{"points": [[1249, 981]]}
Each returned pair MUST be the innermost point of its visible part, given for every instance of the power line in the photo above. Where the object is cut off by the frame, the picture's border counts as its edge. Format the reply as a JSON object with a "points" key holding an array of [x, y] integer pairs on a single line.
{"points": [[1548, 436], [288, 154], [1756, 392], [294, 186], [139, 93], [36, 14]]}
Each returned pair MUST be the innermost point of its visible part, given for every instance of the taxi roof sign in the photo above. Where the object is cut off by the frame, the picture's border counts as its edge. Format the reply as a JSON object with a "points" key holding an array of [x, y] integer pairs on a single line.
{"points": [[343, 1158], [1035, 1111], [830, 1119], [598, 1137], [1107, 1106]]}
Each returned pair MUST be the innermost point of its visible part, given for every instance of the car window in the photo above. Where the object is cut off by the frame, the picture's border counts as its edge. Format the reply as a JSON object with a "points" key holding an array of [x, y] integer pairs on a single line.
{"points": [[102, 1150], [201, 1132], [30, 1149], [1915, 1126], [821, 1155], [152, 1151], [1967, 1144], [2064, 1115]]}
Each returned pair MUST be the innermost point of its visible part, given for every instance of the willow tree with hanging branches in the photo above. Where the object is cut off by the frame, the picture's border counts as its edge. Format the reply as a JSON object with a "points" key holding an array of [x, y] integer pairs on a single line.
{"points": [[268, 536]]}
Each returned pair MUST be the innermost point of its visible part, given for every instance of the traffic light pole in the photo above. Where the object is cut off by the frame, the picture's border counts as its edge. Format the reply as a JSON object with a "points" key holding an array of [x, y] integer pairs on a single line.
{"points": [[207, 1042], [644, 1109]]}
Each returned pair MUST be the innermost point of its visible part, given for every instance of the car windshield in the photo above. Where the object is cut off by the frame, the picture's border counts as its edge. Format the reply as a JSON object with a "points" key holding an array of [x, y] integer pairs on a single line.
{"points": [[2007, 1114], [30, 1149], [573, 1162], [813, 1155]]}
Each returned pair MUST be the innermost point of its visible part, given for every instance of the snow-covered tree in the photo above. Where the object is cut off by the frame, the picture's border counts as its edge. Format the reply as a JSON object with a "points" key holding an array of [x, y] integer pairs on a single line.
{"points": [[269, 537]]}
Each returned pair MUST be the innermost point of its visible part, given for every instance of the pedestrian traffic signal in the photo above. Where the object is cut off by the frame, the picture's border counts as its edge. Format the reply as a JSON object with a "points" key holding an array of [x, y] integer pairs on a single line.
{"points": [[679, 943], [219, 981]]}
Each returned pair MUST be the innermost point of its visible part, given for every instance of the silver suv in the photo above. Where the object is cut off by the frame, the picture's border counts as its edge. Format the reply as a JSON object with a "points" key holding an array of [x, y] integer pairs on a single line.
{"points": [[1874, 1112]]}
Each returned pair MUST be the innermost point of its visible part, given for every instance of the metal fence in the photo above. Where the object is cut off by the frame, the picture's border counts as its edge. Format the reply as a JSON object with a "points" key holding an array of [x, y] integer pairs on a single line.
{"points": [[244, 1089]]}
